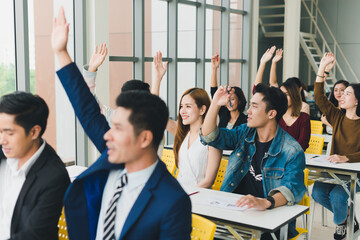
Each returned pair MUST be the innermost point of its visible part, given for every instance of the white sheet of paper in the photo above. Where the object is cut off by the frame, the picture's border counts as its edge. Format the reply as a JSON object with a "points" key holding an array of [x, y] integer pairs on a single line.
{"points": [[321, 159], [220, 202]]}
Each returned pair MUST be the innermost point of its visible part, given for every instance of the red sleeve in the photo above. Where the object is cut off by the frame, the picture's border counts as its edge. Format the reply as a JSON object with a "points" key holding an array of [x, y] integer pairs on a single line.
{"points": [[253, 91], [305, 130]]}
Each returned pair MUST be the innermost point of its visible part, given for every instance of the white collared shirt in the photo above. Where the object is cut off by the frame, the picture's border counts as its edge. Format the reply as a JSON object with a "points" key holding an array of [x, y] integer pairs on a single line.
{"points": [[11, 181], [131, 191]]}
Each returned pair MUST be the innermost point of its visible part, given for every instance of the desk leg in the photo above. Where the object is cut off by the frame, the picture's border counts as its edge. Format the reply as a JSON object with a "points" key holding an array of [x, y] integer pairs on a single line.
{"points": [[284, 232], [352, 208]]}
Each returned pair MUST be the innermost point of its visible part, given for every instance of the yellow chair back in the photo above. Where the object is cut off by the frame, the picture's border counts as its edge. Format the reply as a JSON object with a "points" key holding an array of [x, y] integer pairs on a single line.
{"points": [[63, 234], [316, 127], [316, 145], [202, 228], [220, 175], [169, 159]]}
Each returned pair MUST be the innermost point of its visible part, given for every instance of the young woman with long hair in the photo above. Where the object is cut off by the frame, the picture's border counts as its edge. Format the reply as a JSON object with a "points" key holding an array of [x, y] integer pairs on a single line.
{"points": [[197, 164]]}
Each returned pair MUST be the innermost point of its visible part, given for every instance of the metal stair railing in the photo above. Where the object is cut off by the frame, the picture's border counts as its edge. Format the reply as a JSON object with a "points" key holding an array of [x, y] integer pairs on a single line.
{"points": [[325, 46]]}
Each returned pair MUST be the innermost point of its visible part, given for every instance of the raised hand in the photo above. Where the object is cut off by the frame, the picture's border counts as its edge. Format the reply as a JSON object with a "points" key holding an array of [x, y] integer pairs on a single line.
{"points": [[159, 66], [97, 58], [326, 60], [330, 66], [59, 35], [278, 55], [267, 55], [222, 96], [215, 61]]}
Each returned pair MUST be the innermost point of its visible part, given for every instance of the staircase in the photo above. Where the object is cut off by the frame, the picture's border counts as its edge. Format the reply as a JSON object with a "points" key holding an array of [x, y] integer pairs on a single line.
{"points": [[314, 44]]}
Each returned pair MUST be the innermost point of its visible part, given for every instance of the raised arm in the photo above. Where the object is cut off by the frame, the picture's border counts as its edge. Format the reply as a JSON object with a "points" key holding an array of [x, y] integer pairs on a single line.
{"points": [[160, 70], [212, 167], [275, 60], [264, 59], [215, 63]]}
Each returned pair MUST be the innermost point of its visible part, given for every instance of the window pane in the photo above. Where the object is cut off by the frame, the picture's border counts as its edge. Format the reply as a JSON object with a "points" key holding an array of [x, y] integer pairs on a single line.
{"points": [[235, 74], [120, 28], [236, 4], [60, 130], [235, 36], [155, 27], [214, 2], [7, 49], [213, 20], [186, 31], [185, 79], [120, 72]]}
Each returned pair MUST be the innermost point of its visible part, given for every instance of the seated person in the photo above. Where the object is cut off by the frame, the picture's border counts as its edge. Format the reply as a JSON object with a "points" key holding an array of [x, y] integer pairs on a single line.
{"points": [[345, 146], [128, 192], [267, 163], [33, 179]]}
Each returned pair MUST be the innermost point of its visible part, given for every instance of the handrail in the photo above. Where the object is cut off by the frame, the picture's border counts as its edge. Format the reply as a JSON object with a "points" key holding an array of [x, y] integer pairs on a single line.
{"points": [[336, 44]]}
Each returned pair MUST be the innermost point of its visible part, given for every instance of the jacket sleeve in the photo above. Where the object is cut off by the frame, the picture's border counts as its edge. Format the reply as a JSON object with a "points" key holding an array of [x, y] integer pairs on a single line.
{"points": [[177, 223], [331, 112], [292, 184], [85, 105], [43, 218], [224, 139]]}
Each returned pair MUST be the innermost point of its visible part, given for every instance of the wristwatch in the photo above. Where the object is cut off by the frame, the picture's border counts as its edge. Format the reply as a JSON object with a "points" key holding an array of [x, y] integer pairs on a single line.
{"points": [[272, 200]]}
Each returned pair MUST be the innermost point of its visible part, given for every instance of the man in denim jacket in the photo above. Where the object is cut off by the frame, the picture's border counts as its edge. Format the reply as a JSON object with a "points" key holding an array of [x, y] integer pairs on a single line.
{"points": [[267, 163]]}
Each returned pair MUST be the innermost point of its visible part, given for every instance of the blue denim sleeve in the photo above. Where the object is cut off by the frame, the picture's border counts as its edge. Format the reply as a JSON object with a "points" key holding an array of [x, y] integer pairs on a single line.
{"points": [[292, 185], [224, 139]]}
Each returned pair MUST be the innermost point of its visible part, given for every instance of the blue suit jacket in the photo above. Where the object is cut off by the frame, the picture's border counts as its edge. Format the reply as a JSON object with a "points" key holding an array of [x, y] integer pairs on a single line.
{"points": [[162, 210]]}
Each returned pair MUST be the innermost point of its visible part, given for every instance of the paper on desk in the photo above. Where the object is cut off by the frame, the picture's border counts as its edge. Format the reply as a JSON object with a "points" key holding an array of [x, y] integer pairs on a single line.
{"points": [[220, 202], [321, 159]]}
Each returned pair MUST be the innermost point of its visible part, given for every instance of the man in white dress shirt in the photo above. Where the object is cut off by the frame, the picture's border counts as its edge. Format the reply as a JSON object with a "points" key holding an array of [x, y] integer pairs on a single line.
{"points": [[33, 179]]}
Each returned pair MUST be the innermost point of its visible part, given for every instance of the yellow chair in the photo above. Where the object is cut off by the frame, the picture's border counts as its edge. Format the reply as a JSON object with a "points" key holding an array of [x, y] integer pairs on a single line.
{"points": [[202, 228], [63, 234], [220, 175], [316, 127], [316, 145], [305, 202], [169, 159]]}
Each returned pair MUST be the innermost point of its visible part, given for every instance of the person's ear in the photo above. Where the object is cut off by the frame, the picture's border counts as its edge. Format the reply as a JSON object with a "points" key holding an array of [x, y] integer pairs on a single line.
{"points": [[145, 138], [202, 110], [35, 132], [272, 114]]}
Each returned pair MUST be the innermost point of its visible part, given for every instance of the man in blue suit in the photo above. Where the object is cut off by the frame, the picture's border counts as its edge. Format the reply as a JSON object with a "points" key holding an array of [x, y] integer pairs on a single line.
{"points": [[128, 184]]}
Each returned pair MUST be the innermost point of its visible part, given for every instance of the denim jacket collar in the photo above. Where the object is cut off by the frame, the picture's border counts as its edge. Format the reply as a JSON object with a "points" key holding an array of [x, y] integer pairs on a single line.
{"points": [[277, 144]]}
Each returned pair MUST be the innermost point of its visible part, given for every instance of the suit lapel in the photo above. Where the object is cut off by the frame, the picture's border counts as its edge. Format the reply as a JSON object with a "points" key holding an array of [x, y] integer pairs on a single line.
{"points": [[143, 199]]}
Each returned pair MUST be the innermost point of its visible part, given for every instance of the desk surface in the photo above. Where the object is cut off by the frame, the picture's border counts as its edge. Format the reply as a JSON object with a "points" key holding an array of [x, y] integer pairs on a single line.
{"points": [[351, 167], [265, 221]]}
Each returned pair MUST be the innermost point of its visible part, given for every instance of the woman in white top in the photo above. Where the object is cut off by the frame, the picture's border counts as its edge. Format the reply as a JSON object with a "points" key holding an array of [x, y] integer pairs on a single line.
{"points": [[198, 164]]}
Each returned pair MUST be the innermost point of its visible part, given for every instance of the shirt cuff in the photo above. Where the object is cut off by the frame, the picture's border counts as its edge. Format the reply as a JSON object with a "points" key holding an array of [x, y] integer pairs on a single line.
{"points": [[89, 76], [286, 193], [209, 138]]}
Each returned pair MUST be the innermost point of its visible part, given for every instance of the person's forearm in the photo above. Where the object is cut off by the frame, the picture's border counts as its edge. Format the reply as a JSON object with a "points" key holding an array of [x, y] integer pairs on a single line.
{"points": [[280, 200], [155, 86], [171, 126], [260, 73], [209, 124], [320, 77], [273, 78], [64, 58], [213, 82]]}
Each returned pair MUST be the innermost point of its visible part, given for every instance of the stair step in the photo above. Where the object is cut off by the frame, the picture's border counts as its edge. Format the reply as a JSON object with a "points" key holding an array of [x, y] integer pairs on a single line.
{"points": [[272, 16], [316, 55], [274, 34], [312, 48], [272, 24], [272, 6]]}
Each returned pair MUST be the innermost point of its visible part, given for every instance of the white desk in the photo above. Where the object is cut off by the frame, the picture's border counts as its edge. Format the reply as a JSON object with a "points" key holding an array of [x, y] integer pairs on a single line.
{"points": [[75, 171], [341, 173], [250, 221]]}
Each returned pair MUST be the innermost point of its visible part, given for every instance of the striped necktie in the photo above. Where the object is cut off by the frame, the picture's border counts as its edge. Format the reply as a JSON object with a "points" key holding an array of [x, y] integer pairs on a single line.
{"points": [[109, 222]]}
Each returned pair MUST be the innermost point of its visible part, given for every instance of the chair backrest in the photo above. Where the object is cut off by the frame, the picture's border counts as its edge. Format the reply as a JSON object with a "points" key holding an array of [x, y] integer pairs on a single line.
{"points": [[220, 175], [316, 127], [316, 145], [169, 159], [63, 234], [306, 199], [202, 228]]}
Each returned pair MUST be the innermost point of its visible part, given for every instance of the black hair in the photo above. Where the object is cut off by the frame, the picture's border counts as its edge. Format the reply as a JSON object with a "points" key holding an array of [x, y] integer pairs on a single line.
{"points": [[29, 110], [356, 88], [135, 85], [332, 96], [241, 97], [274, 98], [300, 84], [148, 112]]}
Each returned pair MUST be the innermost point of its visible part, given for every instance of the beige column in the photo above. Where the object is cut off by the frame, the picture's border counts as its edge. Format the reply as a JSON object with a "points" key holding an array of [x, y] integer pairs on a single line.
{"points": [[291, 38]]}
